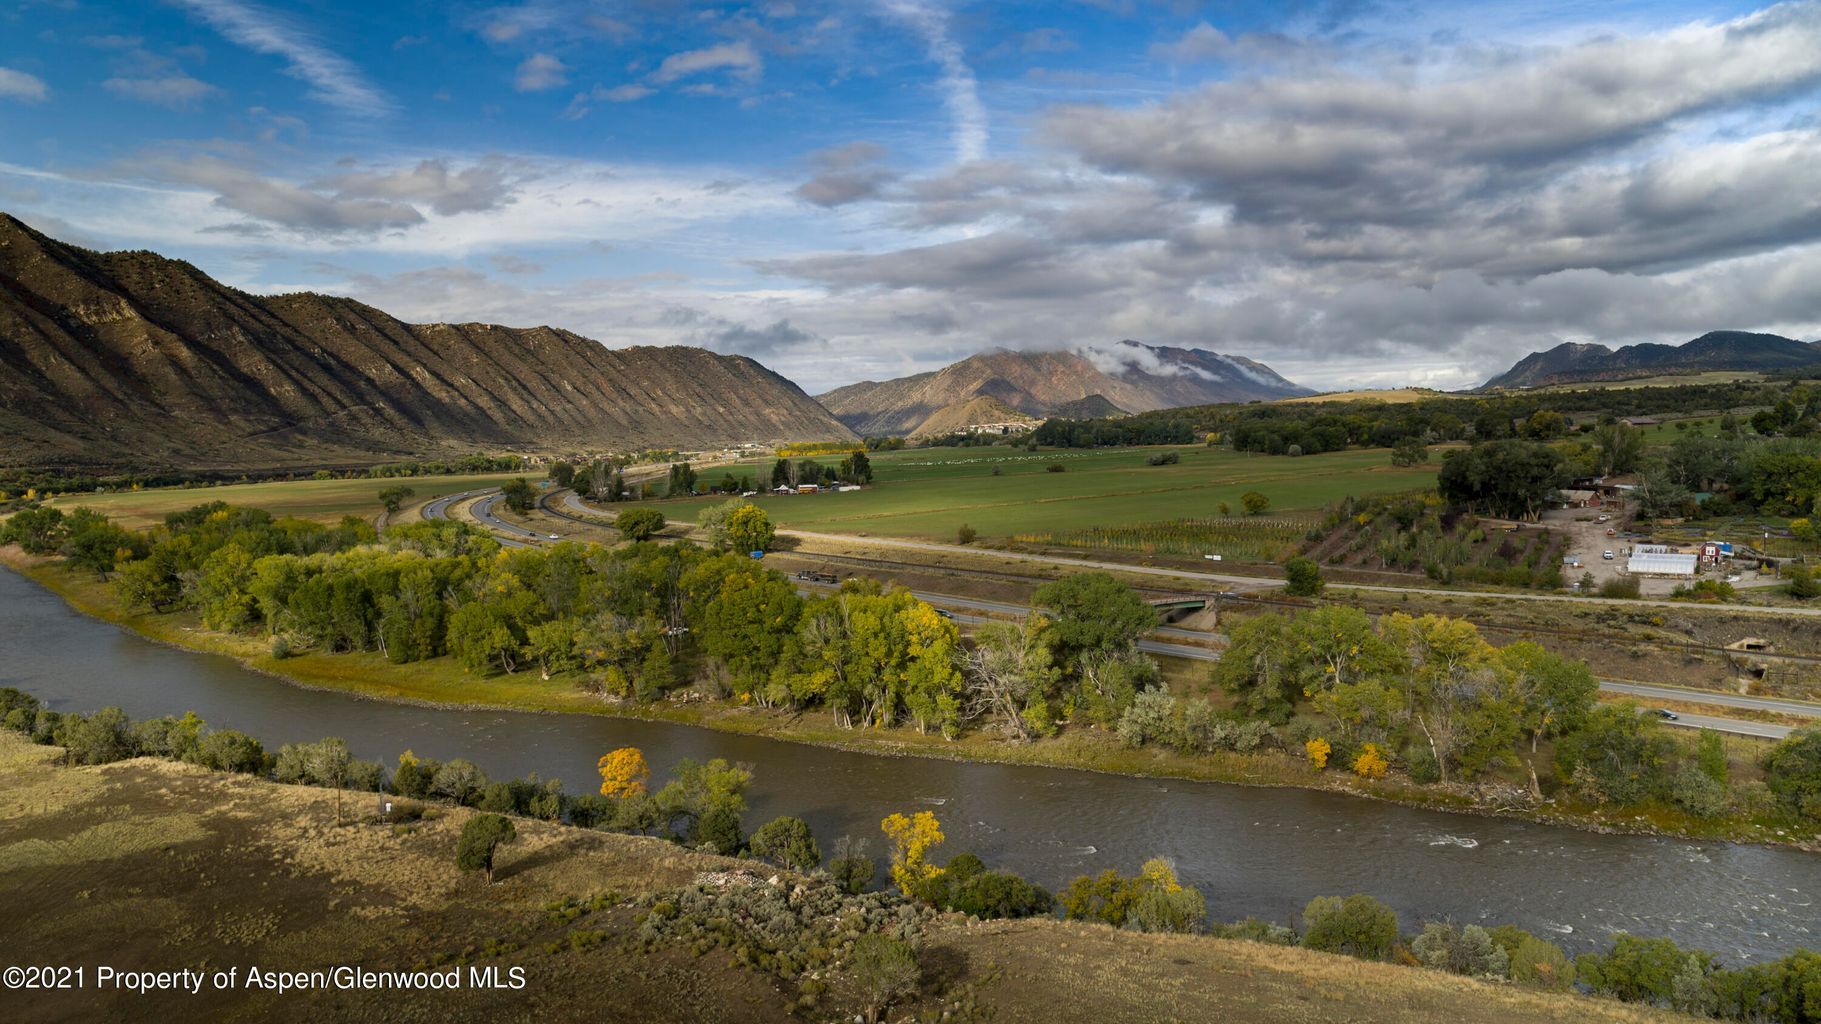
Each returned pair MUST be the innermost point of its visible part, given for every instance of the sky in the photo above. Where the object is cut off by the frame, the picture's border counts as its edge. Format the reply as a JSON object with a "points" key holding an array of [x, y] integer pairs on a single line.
{"points": [[1357, 193]]}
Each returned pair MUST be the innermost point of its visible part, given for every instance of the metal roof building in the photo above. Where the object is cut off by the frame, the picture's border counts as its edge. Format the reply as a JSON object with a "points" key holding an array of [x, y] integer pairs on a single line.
{"points": [[1658, 563]]}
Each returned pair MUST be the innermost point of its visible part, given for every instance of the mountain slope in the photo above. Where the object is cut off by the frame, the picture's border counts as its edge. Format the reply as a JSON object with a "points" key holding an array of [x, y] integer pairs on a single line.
{"points": [[1716, 350], [1127, 375], [131, 359], [972, 412]]}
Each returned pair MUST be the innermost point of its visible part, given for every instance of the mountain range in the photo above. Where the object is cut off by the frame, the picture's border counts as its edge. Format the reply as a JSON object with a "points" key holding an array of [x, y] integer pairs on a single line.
{"points": [[132, 360], [1124, 377], [1717, 350]]}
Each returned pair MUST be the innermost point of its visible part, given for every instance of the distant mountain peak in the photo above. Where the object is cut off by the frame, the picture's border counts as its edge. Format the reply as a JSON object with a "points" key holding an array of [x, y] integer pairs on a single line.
{"points": [[1124, 375], [1572, 362]]}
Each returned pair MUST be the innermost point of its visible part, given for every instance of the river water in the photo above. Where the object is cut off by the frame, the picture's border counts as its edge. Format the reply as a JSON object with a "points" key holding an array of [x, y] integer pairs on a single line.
{"points": [[1253, 851]]}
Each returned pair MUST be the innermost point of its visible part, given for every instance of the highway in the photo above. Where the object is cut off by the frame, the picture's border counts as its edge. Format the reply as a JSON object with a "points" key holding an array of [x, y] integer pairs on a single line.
{"points": [[1733, 725], [1730, 700], [1263, 583]]}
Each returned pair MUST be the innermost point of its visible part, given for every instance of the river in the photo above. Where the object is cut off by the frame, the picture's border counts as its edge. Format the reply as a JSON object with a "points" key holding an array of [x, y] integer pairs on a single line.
{"points": [[1253, 851]]}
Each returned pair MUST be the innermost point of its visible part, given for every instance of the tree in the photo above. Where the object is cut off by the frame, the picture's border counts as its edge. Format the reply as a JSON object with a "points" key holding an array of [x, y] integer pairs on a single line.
{"points": [[520, 497], [965, 534], [749, 529], [1616, 756], [788, 843], [1357, 926], [1710, 756], [1010, 669], [1411, 451], [737, 525], [850, 868], [393, 498], [1303, 577], [1803, 585], [885, 969], [912, 838], [1254, 502], [481, 838], [327, 763], [856, 468], [1510, 477], [1619, 446], [1258, 667], [639, 524], [1792, 769], [623, 773], [681, 481], [561, 473], [1094, 614]]}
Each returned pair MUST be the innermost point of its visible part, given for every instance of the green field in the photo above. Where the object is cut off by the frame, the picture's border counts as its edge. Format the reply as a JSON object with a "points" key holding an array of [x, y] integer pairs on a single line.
{"points": [[931, 492], [322, 500]]}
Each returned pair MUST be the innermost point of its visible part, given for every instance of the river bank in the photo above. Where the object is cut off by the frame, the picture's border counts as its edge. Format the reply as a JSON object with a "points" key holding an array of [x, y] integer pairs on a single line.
{"points": [[147, 864], [439, 683]]}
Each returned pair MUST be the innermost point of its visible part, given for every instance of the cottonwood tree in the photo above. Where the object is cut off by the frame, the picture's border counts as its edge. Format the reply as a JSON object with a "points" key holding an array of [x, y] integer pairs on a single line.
{"points": [[1010, 670]]}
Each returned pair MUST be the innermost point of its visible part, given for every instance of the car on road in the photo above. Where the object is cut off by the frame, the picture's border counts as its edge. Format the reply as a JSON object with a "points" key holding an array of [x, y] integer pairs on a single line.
{"points": [[1667, 715], [945, 613], [1607, 555], [553, 536]]}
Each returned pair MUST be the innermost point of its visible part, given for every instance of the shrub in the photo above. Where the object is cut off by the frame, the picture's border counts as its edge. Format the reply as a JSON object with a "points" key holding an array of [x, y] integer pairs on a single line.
{"points": [[885, 969], [1357, 926], [1626, 587], [788, 843], [227, 750], [1055, 467], [1163, 459], [1697, 793], [1468, 951], [965, 534], [1371, 762], [1541, 964], [1254, 503], [1318, 750], [95, 739]]}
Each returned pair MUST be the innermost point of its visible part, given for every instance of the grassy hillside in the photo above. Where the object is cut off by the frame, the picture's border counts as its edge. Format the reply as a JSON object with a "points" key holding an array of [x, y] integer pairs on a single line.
{"points": [[154, 865]]}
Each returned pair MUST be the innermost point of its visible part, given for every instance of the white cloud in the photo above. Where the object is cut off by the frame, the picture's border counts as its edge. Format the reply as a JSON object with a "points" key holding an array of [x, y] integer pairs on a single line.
{"points": [[739, 58], [960, 89], [20, 85], [538, 72], [173, 90], [331, 77]]}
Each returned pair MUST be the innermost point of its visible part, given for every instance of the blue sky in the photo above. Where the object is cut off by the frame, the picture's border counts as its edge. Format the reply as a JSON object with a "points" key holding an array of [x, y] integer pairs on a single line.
{"points": [[1355, 193]]}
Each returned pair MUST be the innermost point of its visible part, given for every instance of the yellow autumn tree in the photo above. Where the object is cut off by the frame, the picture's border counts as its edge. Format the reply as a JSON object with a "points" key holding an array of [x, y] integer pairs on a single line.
{"points": [[1371, 762], [1161, 874], [912, 837], [623, 773], [1318, 751]]}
